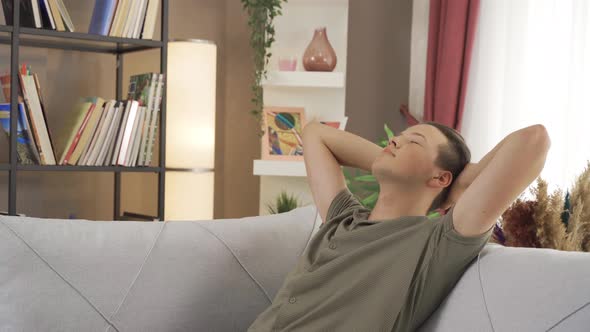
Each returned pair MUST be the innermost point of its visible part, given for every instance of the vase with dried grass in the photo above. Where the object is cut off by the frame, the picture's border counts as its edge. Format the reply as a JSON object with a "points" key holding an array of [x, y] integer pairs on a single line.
{"points": [[549, 220]]}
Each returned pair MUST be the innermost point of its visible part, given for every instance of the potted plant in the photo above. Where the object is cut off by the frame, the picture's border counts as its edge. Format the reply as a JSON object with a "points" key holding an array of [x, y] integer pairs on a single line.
{"points": [[284, 203], [261, 21]]}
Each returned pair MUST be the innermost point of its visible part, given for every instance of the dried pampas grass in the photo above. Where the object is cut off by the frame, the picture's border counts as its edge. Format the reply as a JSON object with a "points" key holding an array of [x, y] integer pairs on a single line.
{"points": [[579, 223], [550, 230], [549, 221]]}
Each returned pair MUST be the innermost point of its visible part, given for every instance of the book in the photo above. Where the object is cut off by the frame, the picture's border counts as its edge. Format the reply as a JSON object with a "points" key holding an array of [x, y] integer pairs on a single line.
{"points": [[139, 86], [136, 141], [25, 145], [127, 131], [5, 81], [102, 17], [130, 19], [117, 18], [65, 15], [67, 132], [26, 16], [38, 119], [140, 19], [129, 151], [46, 16], [154, 119], [2, 17], [125, 11], [37, 14], [88, 149], [59, 23], [120, 134], [150, 20], [149, 111], [72, 132], [108, 118], [109, 135], [88, 130], [113, 141]]}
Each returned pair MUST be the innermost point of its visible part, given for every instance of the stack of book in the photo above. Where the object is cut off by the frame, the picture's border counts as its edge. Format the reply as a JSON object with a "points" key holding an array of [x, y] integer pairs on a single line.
{"points": [[124, 18], [97, 132], [42, 14], [121, 133], [34, 144]]}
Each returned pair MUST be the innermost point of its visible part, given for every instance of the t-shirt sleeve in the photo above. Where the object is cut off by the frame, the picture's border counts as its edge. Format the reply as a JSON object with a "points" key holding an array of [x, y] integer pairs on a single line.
{"points": [[451, 255], [343, 202]]}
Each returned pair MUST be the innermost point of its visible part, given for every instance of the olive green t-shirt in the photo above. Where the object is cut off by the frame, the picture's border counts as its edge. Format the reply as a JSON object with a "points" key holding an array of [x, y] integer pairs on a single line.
{"points": [[366, 275]]}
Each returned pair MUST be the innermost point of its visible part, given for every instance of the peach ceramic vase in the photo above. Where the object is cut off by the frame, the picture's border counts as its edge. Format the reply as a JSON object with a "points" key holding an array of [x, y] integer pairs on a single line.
{"points": [[319, 55]]}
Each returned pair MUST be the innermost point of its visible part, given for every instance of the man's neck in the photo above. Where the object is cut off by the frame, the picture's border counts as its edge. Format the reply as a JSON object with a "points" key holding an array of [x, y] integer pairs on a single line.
{"points": [[396, 202]]}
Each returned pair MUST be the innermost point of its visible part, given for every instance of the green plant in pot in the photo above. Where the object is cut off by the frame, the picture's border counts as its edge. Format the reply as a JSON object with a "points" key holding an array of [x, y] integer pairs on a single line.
{"points": [[284, 203], [261, 21], [364, 185]]}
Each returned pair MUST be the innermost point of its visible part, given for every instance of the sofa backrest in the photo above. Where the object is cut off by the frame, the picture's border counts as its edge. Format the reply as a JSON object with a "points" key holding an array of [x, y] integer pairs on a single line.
{"points": [[210, 275]]}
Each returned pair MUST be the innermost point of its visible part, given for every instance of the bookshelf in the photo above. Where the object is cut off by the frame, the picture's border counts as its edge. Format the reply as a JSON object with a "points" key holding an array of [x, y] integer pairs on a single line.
{"points": [[17, 36]]}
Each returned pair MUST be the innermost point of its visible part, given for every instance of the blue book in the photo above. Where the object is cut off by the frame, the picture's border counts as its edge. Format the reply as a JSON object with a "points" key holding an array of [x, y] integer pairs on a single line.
{"points": [[25, 144], [102, 17]]}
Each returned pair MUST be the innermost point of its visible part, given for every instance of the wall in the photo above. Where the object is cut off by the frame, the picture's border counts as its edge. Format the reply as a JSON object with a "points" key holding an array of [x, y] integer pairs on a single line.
{"points": [[378, 65]]}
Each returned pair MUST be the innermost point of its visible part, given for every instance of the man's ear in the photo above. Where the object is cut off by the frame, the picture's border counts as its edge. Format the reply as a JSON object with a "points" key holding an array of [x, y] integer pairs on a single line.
{"points": [[441, 179]]}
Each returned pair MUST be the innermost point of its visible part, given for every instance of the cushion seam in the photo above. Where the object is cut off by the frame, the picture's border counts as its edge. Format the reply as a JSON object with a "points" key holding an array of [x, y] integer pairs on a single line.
{"points": [[139, 270], [60, 275], [483, 295], [567, 316], [239, 262]]}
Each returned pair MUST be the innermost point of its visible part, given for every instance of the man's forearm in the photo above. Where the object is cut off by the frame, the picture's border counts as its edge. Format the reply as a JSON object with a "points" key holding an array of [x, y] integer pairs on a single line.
{"points": [[476, 168], [349, 149]]}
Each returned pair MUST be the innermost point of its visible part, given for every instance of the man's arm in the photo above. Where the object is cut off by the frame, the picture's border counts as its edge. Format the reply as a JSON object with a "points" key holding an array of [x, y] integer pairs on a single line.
{"points": [[325, 149], [491, 185]]}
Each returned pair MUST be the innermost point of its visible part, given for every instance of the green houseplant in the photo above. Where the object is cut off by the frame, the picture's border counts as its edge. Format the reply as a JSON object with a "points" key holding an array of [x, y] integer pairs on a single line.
{"points": [[284, 203], [261, 15]]}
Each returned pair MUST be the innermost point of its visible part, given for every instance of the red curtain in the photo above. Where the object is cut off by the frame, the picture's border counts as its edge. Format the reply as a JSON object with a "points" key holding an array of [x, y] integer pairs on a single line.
{"points": [[451, 32]]}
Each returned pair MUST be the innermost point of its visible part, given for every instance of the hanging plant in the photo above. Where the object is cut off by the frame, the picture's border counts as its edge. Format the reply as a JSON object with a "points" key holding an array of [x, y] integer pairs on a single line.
{"points": [[261, 21]]}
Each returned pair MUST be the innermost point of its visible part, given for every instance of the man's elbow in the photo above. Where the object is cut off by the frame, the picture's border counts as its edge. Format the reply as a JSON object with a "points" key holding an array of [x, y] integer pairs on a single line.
{"points": [[537, 136], [309, 127]]}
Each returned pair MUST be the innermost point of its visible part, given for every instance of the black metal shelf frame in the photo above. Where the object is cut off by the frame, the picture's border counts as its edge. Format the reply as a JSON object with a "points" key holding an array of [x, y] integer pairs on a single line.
{"points": [[17, 36]]}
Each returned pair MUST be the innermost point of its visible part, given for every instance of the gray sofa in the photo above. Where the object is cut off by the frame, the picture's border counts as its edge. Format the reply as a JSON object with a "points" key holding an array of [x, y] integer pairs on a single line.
{"points": [[218, 275]]}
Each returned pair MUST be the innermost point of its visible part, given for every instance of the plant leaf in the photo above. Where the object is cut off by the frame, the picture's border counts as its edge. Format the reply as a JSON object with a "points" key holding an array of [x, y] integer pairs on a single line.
{"points": [[388, 131], [366, 178]]}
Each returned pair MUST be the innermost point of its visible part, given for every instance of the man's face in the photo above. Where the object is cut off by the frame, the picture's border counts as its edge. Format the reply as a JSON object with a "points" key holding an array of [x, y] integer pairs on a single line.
{"points": [[409, 157]]}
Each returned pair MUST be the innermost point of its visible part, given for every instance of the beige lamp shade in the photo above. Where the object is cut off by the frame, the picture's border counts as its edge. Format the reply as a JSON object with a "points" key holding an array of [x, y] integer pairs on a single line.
{"points": [[190, 108], [190, 130]]}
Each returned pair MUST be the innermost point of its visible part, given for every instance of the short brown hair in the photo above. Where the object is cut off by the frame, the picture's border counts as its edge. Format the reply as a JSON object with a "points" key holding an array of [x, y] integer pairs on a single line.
{"points": [[453, 157]]}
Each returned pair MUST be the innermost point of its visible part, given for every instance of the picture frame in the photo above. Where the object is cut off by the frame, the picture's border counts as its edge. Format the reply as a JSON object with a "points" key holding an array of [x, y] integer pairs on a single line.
{"points": [[282, 135], [338, 123]]}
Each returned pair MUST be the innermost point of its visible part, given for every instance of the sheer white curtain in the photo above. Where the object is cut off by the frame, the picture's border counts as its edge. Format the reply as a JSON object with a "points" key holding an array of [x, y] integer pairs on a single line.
{"points": [[531, 64]]}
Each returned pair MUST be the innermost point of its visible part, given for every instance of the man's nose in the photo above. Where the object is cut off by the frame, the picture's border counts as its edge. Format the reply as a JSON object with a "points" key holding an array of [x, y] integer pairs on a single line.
{"points": [[395, 142]]}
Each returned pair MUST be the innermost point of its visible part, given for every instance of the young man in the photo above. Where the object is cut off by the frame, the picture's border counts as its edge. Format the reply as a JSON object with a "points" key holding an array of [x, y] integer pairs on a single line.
{"points": [[389, 268]]}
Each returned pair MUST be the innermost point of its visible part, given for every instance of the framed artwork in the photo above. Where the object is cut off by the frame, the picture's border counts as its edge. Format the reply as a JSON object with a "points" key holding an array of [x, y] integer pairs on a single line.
{"points": [[282, 134], [336, 123]]}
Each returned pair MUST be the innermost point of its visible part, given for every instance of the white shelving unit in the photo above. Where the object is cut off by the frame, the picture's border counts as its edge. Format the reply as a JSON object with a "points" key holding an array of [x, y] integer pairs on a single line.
{"points": [[321, 94], [279, 168], [305, 79]]}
